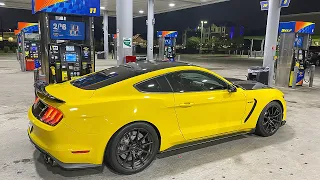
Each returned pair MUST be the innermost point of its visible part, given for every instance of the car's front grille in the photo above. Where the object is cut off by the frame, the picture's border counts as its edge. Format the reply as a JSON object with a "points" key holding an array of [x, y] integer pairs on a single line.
{"points": [[39, 109]]}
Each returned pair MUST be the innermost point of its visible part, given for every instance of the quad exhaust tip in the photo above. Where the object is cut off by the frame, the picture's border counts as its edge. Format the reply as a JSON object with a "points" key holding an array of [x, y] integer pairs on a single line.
{"points": [[49, 160]]}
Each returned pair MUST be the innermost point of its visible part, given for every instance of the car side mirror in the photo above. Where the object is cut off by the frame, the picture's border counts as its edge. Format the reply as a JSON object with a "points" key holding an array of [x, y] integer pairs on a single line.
{"points": [[232, 88]]}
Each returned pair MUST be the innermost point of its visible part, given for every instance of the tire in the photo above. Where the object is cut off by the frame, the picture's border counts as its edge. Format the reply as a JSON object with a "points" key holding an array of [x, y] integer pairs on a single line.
{"points": [[128, 153], [270, 120]]}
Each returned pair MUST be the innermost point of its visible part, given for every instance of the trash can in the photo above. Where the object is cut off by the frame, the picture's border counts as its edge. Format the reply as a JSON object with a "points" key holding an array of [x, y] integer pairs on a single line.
{"points": [[30, 64], [131, 59], [259, 74]]}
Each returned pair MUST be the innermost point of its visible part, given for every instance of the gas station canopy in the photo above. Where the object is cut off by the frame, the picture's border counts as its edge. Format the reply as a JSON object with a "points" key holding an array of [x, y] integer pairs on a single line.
{"points": [[139, 6]]}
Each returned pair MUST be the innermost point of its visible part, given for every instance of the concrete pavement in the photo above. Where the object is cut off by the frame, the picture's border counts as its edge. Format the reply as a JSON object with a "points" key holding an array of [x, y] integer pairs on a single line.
{"points": [[294, 152]]}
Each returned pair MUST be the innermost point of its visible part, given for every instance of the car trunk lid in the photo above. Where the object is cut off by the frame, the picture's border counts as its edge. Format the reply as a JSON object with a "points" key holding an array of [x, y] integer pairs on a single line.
{"points": [[61, 93]]}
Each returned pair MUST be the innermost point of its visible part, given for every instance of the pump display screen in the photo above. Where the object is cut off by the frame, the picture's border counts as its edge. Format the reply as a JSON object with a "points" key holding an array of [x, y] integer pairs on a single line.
{"points": [[67, 30], [70, 57], [69, 48]]}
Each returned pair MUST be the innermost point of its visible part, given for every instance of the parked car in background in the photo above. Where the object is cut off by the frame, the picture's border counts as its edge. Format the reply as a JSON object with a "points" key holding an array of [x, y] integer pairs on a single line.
{"points": [[314, 55]]}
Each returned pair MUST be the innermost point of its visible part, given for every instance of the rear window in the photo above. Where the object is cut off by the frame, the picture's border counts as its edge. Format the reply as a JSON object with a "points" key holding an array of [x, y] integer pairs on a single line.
{"points": [[105, 78]]}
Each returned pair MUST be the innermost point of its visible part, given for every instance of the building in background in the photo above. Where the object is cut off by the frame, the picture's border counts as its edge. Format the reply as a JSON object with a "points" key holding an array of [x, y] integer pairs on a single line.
{"points": [[138, 40], [8, 36], [214, 30]]}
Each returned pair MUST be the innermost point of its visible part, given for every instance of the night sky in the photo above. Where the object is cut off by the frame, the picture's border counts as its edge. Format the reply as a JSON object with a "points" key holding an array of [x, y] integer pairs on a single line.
{"points": [[246, 13]]}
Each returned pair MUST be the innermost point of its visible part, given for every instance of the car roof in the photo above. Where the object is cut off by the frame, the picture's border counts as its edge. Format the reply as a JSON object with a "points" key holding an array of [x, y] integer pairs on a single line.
{"points": [[120, 73], [149, 66]]}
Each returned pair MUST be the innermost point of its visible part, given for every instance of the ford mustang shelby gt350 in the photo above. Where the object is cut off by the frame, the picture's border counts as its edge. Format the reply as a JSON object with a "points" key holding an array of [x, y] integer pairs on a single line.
{"points": [[127, 114]]}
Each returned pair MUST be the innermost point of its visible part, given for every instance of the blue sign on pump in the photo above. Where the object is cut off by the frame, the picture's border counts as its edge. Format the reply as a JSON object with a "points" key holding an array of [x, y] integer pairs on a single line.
{"points": [[285, 3], [264, 5], [67, 30], [74, 7], [299, 42]]}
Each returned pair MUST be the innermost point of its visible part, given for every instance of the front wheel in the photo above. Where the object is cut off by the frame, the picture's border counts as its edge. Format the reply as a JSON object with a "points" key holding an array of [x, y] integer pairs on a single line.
{"points": [[270, 120], [132, 148]]}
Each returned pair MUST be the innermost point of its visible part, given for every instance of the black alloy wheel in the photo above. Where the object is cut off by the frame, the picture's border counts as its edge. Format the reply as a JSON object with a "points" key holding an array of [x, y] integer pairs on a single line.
{"points": [[133, 148], [270, 120]]}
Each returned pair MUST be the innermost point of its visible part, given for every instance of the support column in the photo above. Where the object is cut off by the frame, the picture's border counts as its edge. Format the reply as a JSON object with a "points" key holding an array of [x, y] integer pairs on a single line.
{"points": [[124, 29], [201, 38], [106, 34], [150, 24], [262, 45], [44, 41], [271, 36], [23, 59], [251, 47]]}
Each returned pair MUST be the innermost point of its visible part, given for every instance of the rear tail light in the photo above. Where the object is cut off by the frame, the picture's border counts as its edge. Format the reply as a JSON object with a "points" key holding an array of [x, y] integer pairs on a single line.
{"points": [[52, 116]]}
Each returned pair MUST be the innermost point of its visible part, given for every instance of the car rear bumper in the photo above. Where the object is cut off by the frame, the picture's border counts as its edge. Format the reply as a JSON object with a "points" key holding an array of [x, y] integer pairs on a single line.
{"points": [[62, 164], [64, 145]]}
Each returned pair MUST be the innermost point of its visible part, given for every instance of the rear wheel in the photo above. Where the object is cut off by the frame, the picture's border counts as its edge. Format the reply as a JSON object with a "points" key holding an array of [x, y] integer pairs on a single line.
{"points": [[270, 120], [133, 148]]}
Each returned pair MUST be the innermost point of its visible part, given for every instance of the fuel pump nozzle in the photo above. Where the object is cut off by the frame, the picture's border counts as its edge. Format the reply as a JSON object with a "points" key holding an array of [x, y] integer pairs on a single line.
{"points": [[53, 72]]}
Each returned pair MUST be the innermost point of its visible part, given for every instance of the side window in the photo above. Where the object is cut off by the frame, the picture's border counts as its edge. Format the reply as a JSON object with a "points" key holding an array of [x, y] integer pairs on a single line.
{"points": [[195, 81], [159, 84]]}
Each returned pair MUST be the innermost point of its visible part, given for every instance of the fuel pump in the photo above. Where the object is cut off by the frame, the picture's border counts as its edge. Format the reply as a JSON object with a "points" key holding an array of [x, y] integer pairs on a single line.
{"points": [[294, 43], [68, 60], [32, 50], [28, 45], [169, 49], [167, 45], [68, 35], [300, 57]]}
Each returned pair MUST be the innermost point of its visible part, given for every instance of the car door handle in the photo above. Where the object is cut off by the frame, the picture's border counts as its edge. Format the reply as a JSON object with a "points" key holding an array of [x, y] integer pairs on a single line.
{"points": [[186, 105]]}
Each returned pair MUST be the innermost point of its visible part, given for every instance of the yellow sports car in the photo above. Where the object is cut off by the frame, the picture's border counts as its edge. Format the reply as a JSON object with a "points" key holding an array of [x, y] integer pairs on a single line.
{"points": [[125, 115]]}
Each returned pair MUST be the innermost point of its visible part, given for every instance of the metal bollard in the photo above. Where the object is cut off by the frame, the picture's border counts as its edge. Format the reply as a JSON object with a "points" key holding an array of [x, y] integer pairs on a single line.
{"points": [[312, 71], [294, 80], [178, 59]]}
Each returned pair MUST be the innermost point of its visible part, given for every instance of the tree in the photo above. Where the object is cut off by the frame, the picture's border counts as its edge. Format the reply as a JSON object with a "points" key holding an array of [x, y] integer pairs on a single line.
{"points": [[193, 43]]}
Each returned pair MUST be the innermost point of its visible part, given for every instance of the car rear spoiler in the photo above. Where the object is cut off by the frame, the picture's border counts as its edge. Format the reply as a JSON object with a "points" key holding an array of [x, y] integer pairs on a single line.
{"points": [[40, 88]]}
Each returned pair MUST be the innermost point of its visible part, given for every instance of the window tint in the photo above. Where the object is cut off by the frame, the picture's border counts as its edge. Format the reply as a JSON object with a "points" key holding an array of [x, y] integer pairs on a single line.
{"points": [[104, 78], [159, 84], [195, 81], [150, 86]]}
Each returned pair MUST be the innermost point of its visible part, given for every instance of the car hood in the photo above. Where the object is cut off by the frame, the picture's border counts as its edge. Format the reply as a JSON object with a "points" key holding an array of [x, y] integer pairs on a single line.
{"points": [[247, 85]]}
